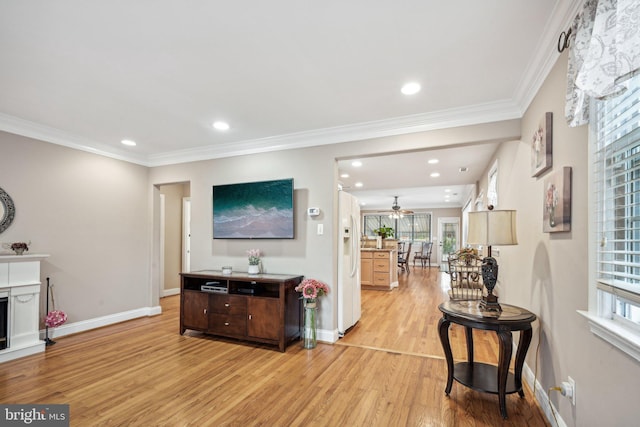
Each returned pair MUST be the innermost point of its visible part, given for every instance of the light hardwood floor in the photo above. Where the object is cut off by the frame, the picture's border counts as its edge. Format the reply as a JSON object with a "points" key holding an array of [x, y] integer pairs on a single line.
{"points": [[388, 371]]}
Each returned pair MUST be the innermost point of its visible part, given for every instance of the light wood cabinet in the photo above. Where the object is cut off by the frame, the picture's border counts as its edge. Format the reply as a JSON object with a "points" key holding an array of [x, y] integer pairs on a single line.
{"points": [[366, 268], [378, 269]]}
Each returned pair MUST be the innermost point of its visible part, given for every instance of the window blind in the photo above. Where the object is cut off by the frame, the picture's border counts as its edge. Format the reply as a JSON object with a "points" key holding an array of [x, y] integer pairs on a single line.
{"points": [[617, 183]]}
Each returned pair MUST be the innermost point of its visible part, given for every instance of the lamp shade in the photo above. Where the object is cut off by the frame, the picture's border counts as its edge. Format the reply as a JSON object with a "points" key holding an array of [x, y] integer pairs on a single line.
{"points": [[492, 227]]}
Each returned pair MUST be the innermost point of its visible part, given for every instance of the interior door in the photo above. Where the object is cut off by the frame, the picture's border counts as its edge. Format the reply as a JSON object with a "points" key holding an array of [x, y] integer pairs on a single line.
{"points": [[448, 237]]}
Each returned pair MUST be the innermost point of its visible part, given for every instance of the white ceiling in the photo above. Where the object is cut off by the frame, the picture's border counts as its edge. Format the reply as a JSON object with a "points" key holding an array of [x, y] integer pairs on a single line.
{"points": [[283, 73], [408, 176]]}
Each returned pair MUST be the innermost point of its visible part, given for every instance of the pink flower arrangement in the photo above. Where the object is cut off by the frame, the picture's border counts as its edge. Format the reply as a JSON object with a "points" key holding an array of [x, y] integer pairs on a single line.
{"points": [[55, 318], [312, 289], [254, 256]]}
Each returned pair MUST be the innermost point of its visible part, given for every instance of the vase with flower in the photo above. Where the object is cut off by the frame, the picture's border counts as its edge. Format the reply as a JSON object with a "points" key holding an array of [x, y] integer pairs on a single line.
{"points": [[254, 261], [311, 290]]}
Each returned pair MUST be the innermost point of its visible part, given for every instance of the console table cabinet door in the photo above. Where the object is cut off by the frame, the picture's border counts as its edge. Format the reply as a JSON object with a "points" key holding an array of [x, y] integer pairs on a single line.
{"points": [[263, 318], [196, 310]]}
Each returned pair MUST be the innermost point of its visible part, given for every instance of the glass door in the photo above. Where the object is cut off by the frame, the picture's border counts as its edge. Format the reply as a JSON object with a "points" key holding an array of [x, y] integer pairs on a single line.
{"points": [[448, 238]]}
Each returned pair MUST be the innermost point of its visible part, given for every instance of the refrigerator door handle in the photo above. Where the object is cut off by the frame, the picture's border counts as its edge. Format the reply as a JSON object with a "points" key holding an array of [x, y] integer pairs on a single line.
{"points": [[354, 248]]}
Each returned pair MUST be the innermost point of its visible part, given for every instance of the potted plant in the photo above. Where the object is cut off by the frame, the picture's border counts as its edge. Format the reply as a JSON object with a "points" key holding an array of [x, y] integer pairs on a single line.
{"points": [[384, 232], [254, 261]]}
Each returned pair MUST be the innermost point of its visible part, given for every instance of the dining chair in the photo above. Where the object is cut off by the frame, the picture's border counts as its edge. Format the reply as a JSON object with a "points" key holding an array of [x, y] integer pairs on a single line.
{"points": [[424, 254], [403, 258]]}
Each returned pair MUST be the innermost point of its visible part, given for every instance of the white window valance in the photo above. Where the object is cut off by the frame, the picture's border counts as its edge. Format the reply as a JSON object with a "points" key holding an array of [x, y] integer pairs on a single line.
{"points": [[604, 52]]}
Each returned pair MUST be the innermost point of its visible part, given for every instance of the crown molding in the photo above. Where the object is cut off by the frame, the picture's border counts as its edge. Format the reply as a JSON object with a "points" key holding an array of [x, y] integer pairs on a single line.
{"points": [[465, 116], [547, 53], [53, 135], [471, 115]]}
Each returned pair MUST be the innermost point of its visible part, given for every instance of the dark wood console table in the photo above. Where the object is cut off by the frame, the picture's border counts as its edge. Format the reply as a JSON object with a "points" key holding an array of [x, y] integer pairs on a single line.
{"points": [[262, 308], [481, 376]]}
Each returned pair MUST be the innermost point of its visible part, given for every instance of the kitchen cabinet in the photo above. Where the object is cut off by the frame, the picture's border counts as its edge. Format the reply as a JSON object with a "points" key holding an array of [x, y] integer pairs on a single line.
{"points": [[378, 269]]}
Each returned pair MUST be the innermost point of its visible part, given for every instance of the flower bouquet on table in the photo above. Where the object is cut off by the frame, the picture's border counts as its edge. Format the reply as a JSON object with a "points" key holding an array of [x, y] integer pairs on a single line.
{"points": [[254, 256], [254, 261]]}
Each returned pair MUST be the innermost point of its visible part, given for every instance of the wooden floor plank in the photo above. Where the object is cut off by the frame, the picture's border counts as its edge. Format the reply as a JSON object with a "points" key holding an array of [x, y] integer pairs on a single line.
{"points": [[387, 371]]}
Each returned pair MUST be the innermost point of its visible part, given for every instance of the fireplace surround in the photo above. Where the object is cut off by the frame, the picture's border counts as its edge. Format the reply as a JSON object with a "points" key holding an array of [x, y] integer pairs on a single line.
{"points": [[20, 284]]}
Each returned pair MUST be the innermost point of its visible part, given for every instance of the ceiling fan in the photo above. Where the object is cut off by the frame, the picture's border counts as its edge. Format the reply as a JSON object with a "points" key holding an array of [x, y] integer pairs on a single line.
{"points": [[396, 210]]}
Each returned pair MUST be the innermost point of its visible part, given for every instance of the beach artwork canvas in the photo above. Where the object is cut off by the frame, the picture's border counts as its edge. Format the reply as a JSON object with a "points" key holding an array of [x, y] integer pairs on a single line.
{"points": [[541, 146], [557, 201]]}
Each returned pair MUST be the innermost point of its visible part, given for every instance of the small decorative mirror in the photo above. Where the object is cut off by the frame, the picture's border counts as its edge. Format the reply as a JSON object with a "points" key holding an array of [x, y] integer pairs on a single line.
{"points": [[7, 210]]}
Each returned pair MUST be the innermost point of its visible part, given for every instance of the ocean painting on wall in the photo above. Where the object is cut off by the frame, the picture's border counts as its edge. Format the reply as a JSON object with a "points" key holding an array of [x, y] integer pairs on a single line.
{"points": [[253, 210]]}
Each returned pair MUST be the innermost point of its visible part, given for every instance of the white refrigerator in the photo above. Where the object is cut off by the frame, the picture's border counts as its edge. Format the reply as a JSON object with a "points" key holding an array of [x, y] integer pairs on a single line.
{"points": [[349, 299]]}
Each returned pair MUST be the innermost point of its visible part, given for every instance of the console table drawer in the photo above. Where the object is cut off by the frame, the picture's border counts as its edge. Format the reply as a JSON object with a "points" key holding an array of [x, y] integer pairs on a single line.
{"points": [[226, 324], [229, 304], [381, 255]]}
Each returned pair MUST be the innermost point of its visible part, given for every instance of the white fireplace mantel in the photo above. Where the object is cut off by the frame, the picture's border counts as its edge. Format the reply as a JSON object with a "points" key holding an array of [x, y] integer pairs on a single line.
{"points": [[20, 282]]}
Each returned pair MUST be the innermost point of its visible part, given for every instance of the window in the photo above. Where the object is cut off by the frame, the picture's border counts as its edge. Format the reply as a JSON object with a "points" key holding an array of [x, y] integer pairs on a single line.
{"points": [[616, 181], [415, 227], [492, 187]]}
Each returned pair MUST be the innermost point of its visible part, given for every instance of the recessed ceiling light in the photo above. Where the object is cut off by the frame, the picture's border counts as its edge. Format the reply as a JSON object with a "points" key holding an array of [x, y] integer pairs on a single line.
{"points": [[359, 184], [463, 169], [221, 125], [447, 190], [363, 204], [433, 161], [356, 163], [129, 142], [411, 88], [434, 175], [344, 175]]}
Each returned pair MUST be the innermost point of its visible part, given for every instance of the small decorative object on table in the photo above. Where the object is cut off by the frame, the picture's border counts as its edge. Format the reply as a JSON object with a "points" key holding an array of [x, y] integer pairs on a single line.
{"points": [[467, 255], [311, 289], [254, 261], [227, 269], [19, 247]]}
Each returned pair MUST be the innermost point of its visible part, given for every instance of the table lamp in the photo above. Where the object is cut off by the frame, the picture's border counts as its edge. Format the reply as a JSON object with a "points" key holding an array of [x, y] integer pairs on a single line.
{"points": [[492, 227]]}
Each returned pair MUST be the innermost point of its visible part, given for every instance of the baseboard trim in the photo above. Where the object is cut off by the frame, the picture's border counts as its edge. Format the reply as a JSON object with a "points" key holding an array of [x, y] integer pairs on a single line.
{"points": [[541, 395], [170, 292], [327, 336], [99, 322]]}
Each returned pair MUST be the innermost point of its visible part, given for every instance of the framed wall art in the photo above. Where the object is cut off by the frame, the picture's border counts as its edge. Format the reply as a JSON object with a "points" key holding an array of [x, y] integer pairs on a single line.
{"points": [[541, 146], [557, 201]]}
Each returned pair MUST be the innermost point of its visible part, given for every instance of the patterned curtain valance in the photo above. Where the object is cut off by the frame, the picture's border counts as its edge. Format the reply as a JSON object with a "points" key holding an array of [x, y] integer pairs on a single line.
{"points": [[604, 52]]}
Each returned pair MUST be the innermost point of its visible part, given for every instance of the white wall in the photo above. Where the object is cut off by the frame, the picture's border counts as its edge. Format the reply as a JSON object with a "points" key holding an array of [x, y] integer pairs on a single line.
{"points": [[548, 274], [90, 213]]}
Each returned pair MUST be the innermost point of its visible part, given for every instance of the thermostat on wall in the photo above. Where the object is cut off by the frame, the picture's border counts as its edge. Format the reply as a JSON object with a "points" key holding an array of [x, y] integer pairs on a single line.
{"points": [[313, 211]]}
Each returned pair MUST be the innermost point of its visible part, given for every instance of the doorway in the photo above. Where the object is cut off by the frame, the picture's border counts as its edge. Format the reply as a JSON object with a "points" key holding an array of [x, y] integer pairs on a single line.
{"points": [[174, 252], [448, 237]]}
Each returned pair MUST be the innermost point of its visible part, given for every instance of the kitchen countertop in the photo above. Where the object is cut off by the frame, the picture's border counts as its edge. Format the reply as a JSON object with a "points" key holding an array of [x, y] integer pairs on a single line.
{"points": [[378, 250]]}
